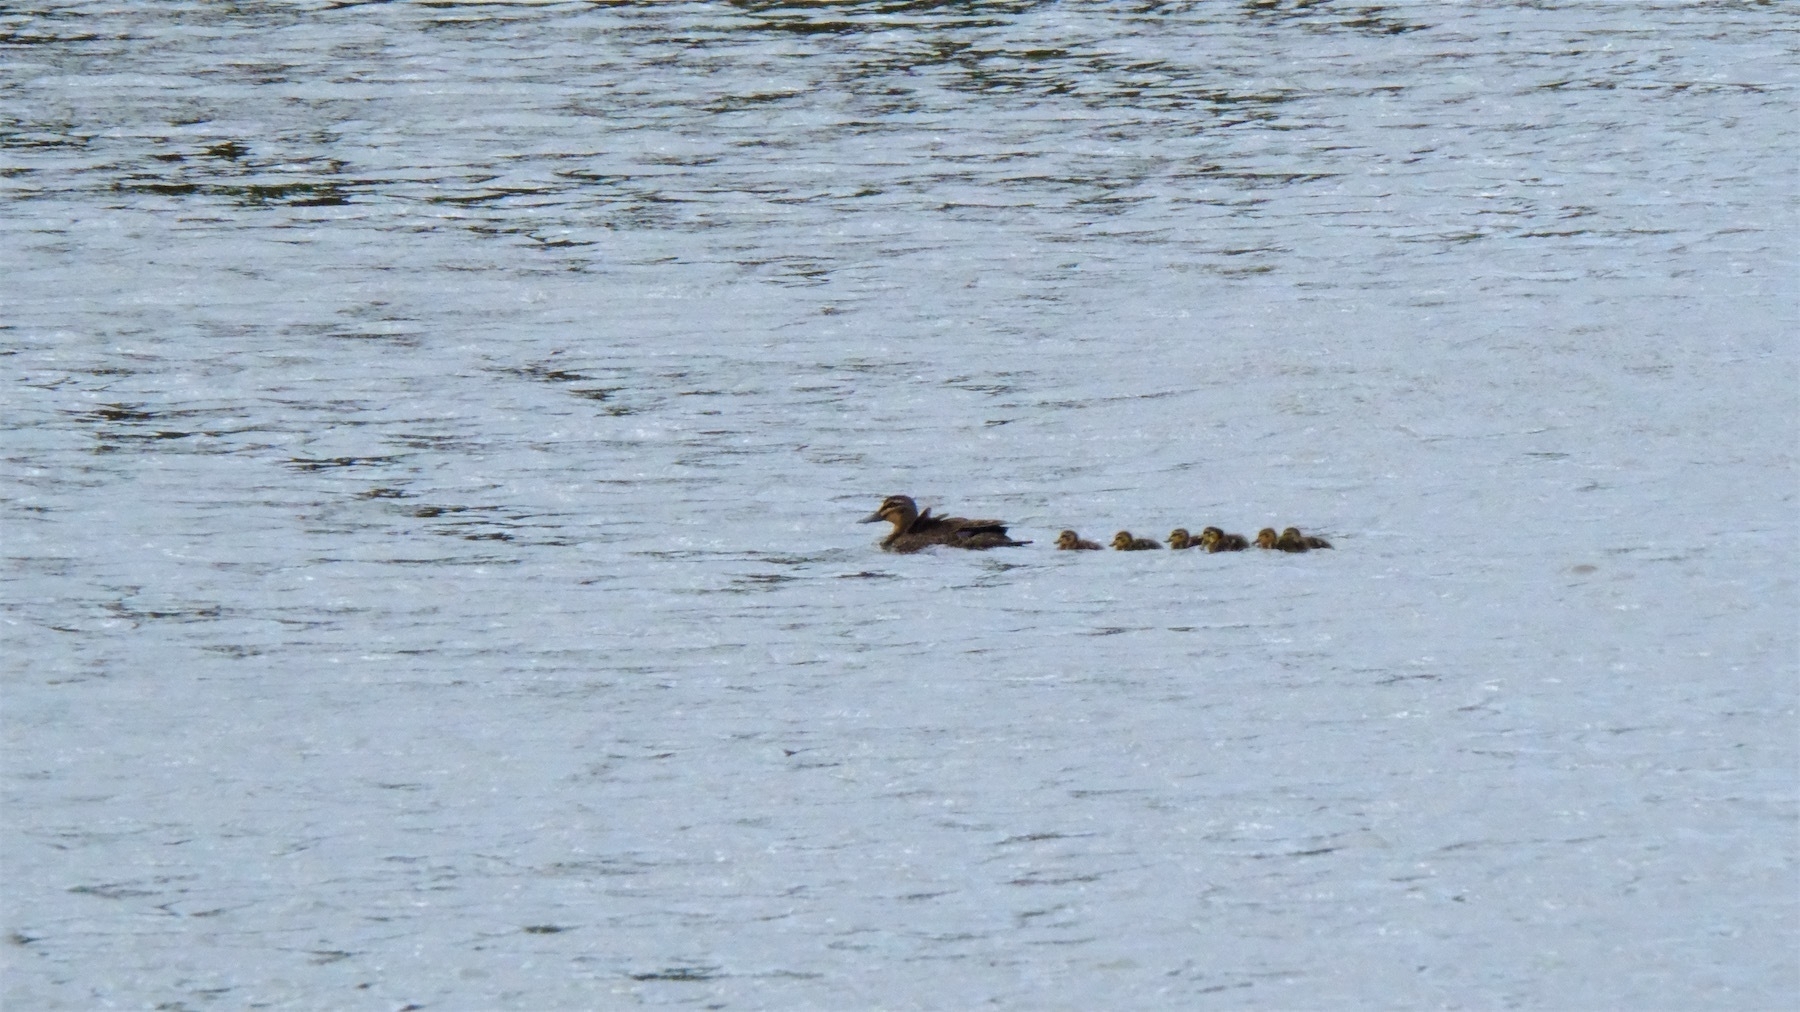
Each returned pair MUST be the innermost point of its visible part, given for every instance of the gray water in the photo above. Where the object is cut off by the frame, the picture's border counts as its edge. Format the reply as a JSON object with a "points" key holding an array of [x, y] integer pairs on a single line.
{"points": [[434, 435]]}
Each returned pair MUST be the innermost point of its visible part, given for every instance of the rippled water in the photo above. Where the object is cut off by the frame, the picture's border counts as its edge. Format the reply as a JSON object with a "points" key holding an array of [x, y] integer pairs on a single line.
{"points": [[434, 436]]}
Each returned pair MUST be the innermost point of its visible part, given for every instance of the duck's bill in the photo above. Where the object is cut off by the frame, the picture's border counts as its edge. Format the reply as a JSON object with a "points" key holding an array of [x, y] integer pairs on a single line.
{"points": [[873, 518]]}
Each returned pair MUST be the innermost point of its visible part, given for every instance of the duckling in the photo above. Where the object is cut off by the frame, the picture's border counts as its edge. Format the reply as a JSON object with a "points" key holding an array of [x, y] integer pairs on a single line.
{"points": [[1124, 542], [1179, 538], [1292, 540], [1214, 540], [1069, 541], [1266, 538], [914, 530]]}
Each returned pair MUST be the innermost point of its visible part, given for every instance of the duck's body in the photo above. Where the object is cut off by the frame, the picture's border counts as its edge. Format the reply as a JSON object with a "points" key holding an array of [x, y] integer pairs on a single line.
{"points": [[1179, 538], [1069, 541], [1215, 540], [1292, 540], [914, 531], [1124, 542]]}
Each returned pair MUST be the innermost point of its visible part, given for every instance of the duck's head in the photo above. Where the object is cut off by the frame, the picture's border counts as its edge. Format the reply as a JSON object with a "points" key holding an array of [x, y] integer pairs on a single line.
{"points": [[1265, 538], [1292, 534], [1179, 538], [1210, 537], [898, 510], [1122, 539], [1067, 540]]}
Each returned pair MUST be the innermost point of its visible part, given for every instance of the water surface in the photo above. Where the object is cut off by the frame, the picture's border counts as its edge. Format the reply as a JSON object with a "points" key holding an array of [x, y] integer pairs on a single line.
{"points": [[435, 434]]}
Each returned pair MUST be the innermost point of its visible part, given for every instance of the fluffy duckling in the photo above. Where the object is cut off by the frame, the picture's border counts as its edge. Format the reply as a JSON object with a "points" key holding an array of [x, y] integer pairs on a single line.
{"points": [[1215, 540], [1179, 538], [1292, 540], [1069, 541], [1266, 538], [1124, 542], [914, 531]]}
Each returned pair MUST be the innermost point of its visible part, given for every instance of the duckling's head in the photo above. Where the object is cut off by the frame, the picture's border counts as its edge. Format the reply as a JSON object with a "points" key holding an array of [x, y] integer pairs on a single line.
{"points": [[898, 510], [1067, 540], [1179, 538], [1292, 534], [1210, 537], [1265, 538], [1122, 539]]}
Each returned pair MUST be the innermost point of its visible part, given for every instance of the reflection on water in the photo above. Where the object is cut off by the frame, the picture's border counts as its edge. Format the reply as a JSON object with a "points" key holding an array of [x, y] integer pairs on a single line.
{"points": [[436, 432]]}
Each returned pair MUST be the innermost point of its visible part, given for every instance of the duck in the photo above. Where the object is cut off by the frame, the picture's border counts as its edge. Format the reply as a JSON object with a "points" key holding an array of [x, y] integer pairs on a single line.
{"points": [[1179, 538], [1124, 542], [1267, 538], [1292, 540], [1069, 541], [1215, 540], [914, 531]]}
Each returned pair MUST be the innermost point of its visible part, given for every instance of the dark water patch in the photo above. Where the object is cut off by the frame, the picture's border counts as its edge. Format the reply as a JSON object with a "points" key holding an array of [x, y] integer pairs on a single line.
{"points": [[764, 579], [228, 150], [39, 35], [876, 16], [983, 386], [787, 559], [146, 437], [332, 463], [736, 103], [396, 337], [111, 891], [681, 554], [546, 929], [1040, 838], [545, 374], [252, 195], [41, 141], [235, 650], [792, 270], [597, 867], [438, 511], [190, 613], [1325, 16], [1091, 402], [445, 444], [1046, 878], [118, 413], [442, 560], [493, 195], [688, 974]]}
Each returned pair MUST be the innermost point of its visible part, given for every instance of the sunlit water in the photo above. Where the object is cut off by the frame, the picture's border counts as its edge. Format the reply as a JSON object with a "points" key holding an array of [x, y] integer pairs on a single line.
{"points": [[434, 435]]}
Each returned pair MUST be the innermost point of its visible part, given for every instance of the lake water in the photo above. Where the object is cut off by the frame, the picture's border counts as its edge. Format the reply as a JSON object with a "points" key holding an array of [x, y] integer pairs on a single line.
{"points": [[434, 435]]}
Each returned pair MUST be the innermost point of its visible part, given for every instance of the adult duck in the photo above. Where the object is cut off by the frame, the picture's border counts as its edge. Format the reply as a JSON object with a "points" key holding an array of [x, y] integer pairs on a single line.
{"points": [[914, 531]]}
